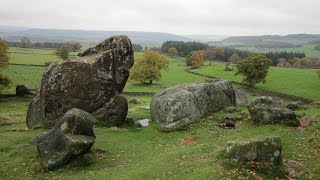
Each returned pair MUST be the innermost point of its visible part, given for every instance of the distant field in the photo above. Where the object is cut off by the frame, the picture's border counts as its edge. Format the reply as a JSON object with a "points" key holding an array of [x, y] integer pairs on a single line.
{"points": [[306, 47], [32, 75], [33, 56], [300, 82], [175, 75]]}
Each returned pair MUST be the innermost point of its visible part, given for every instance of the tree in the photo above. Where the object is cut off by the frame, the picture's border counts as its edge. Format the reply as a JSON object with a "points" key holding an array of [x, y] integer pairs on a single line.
{"points": [[4, 62], [173, 51], [234, 58], [282, 62], [63, 52], [148, 69], [254, 68], [25, 42], [195, 59], [137, 47], [75, 46]]}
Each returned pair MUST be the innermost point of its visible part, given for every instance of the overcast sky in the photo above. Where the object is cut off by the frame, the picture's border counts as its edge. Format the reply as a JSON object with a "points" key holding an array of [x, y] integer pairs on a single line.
{"points": [[216, 17]]}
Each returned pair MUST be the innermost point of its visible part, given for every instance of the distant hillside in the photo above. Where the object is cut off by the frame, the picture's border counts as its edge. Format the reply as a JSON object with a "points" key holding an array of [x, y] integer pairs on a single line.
{"points": [[293, 42], [86, 36], [206, 38], [256, 39]]}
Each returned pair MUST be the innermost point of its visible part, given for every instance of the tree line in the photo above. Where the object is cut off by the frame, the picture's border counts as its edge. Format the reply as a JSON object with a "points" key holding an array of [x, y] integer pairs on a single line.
{"points": [[25, 42], [275, 56]]}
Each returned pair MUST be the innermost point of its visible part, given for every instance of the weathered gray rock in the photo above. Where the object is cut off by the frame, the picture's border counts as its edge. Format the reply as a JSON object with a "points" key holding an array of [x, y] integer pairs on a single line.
{"points": [[92, 82], [241, 98], [265, 110], [178, 106], [268, 150], [24, 90], [35, 113], [142, 123], [134, 101], [294, 105], [72, 136]]}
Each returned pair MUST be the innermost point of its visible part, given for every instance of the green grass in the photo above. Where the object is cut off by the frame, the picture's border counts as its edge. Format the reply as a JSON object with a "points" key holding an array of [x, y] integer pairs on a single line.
{"points": [[197, 153], [149, 154], [175, 75], [33, 56], [299, 82], [32, 75]]}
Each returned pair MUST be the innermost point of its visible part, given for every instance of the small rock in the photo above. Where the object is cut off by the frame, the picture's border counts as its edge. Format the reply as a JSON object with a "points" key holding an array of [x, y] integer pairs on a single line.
{"points": [[71, 137], [134, 101], [294, 105], [23, 90], [142, 123], [146, 108], [230, 123], [268, 150], [265, 110]]}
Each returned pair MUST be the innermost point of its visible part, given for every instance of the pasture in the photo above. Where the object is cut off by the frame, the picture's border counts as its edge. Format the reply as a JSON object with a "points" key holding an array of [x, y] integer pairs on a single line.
{"points": [[146, 153]]}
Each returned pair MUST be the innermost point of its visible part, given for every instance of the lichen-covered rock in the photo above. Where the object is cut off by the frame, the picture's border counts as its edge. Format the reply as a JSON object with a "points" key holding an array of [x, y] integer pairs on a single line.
{"points": [[34, 113], [241, 98], [265, 110], [72, 136], [268, 150], [294, 105], [178, 106], [91, 82]]}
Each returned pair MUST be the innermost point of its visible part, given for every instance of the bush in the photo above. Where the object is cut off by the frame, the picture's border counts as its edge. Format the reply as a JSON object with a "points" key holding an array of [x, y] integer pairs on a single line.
{"points": [[195, 59], [148, 68], [254, 69], [4, 62]]}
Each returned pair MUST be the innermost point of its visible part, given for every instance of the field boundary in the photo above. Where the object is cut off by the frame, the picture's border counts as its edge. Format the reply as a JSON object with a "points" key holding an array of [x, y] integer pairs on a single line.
{"points": [[262, 91], [37, 65]]}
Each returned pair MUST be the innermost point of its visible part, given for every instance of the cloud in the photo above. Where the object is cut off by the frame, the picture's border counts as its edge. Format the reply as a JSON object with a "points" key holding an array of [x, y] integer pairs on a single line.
{"points": [[228, 17]]}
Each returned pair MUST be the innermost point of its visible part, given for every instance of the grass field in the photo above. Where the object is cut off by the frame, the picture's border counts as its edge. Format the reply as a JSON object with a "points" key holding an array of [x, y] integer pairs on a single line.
{"points": [[175, 75], [197, 153], [132, 153], [299, 82], [33, 56]]}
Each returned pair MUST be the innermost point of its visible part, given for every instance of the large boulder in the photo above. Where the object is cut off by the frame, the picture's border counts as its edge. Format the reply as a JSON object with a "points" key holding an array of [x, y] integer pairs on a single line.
{"points": [[265, 110], [72, 136], [92, 82], [178, 106], [267, 150]]}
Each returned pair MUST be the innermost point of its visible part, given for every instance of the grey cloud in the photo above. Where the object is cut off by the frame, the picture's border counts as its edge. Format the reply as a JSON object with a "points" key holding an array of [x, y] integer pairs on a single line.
{"points": [[229, 17]]}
